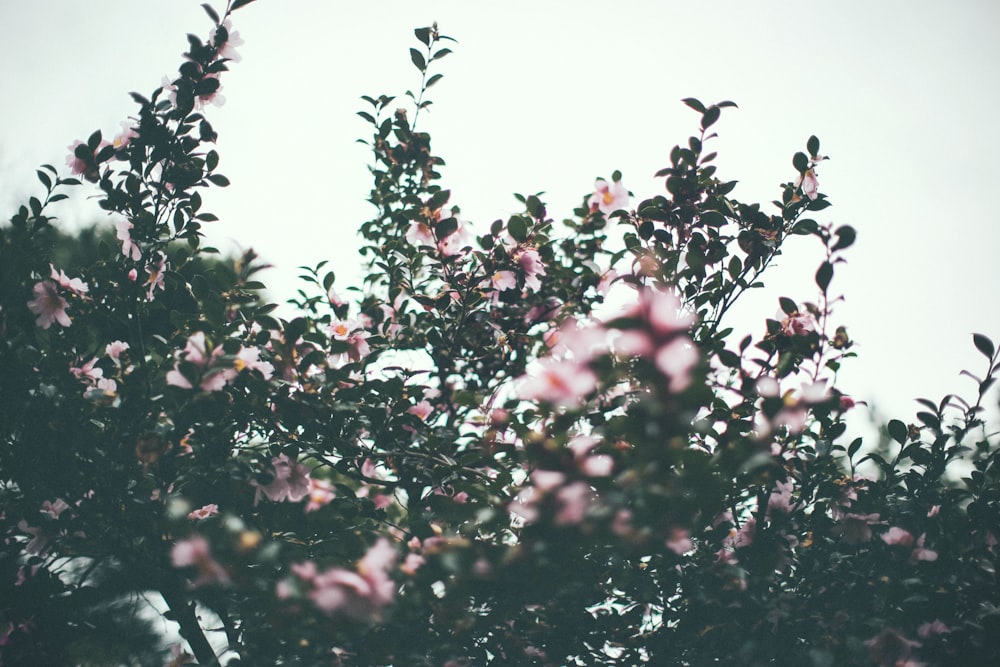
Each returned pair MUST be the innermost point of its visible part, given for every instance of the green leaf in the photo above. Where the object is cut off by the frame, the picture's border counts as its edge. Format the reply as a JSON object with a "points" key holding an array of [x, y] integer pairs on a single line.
{"points": [[239, 3], [787, 305], [418, 60], [694, 104], [440, 53], [897, 430], [211, 13], [813, 146], [709, 117], [801, 162], [218, 179], [518, 229], [845, 237], [446, 228], [984, 345], [805, 226], [434, 79], [424, 35], [853, 448], [824, 275]]}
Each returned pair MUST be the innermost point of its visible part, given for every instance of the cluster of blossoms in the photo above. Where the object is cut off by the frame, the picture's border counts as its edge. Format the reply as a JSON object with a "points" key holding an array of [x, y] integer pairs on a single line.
{"points": [[360, 593], [210, 370], [292, 482]]}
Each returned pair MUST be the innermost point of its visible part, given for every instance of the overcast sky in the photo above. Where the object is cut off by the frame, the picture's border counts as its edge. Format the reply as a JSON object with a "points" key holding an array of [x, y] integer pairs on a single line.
{"points": [[546, 96]]}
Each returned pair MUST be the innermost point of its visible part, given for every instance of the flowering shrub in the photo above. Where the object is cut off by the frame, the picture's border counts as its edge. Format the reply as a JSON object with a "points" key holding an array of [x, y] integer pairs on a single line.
{"points": [[524, 443]]}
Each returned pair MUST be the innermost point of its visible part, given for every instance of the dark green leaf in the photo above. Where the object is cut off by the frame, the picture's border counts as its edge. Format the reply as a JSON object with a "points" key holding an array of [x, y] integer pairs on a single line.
{"points": [[984, 345], [897, 430], [418, 60], [824, 275], [434, 79], [845, 237], [787, 305], [218, 179], [853, 448], [694, 104], [813, 146], [424, 35], [801, 162], [239, 3], [518, 229], [211, 13], [709, 117]]}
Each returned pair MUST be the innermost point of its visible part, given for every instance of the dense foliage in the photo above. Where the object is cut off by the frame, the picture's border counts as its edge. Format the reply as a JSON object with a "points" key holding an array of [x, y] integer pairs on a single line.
{"points": [[523, 443]]}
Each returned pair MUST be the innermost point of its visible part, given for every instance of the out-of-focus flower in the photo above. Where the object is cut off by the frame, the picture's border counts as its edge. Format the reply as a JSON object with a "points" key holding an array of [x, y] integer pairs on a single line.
{"points": [[798, 324], [676, 360], [54, 509], [608, 198], [890, 648], [203, 512], [320, 494], [935, 627], [558, 381], [573, 501], [195, 552], [125, 137], [854, 528], [290, 481], [48, 305], [362, 593], [920, 552], [502, 280], [680, 541], [74, 285], [420, 233], [154, 279], [781, 497], [897, 536]]}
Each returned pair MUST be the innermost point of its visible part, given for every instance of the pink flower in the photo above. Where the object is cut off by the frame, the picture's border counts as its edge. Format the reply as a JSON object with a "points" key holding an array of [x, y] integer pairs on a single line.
{"points": [[39, 542], [676, 360], [115, 348], [798, 324], [420, 233], [124, 138], [129, 247], [48, 305], [573, 500], [203, 512], [87, 372], [531, 264], [456, 242], [320, 494], [781, 497], [898, 536], [195, 552], [922, 553], [854, 528], [846, 403], [77, 167], [809, 184], [155, 277], [75, 285], [890, 648], [360, 594], [608, 198], [503, 280], [559, 382], [680, 541], [227, 49], [290, 481], [248, 358], [935, 627], [421, 410], [54, 509]]}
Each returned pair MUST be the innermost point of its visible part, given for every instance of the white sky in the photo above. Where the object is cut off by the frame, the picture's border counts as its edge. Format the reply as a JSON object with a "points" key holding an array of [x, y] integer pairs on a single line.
{"points": [[547, 96]]}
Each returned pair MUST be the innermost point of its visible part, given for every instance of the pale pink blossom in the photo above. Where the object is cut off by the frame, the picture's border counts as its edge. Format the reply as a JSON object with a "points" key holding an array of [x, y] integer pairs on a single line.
{"points": [[54, 509], [154, 279], [608, 198], [203, 512], [77, 167], [532, 266], [195, 552], [854, 528], [456, 242], [290, 481], [420, 233], [87, 372], [797, 324], [124, 234], [920, 552], [502, 280], [227, 49], [421, 410], [781, 497], [559, 382], [809, 184], [48, 305], [125, 136], [412, 563], [679, 541], [320, 494], [935, 627], [248, 358], [215, 97], [897, 536], [361, 593], [39, 543], [742, 537], [75, 285], [676, 360], [115, 348], [573, 500]]}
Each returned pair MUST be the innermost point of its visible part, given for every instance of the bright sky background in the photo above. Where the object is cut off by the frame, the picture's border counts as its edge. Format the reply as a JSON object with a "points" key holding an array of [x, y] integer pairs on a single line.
{"points": [[546, 96]]}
